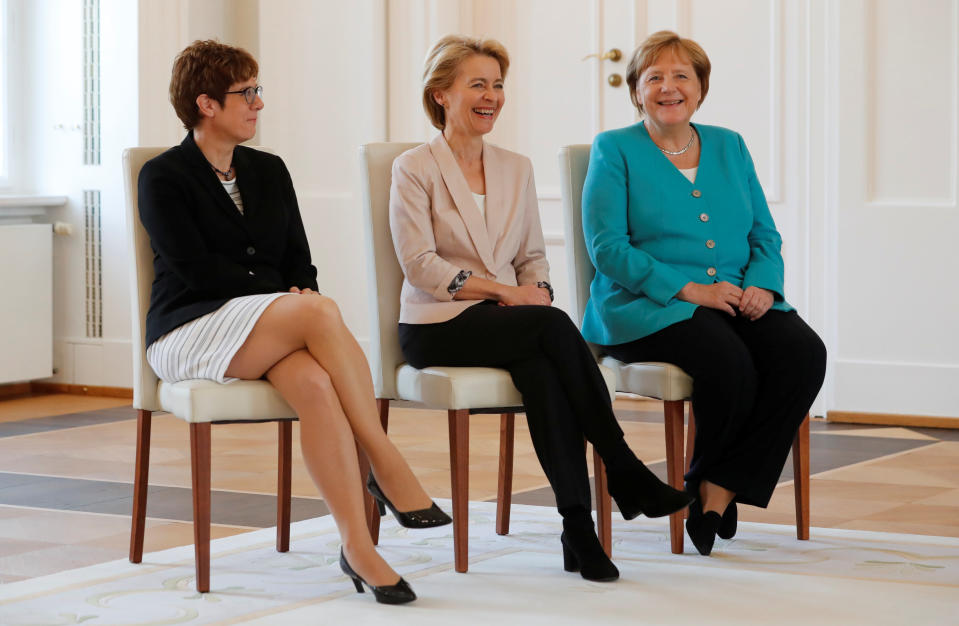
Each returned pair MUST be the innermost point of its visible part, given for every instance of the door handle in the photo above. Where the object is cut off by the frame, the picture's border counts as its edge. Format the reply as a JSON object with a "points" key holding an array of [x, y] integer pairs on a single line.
{"points": [[613, 54]]}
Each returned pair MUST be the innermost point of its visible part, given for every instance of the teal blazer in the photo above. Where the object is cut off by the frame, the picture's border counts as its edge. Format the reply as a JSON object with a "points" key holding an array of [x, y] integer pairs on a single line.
{"points": [[649, 231]]}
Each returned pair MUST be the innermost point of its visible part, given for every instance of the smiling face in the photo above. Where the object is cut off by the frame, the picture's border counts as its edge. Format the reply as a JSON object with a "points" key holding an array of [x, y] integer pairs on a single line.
{"points": [[669, 90], [236, 119], [473, 102]]}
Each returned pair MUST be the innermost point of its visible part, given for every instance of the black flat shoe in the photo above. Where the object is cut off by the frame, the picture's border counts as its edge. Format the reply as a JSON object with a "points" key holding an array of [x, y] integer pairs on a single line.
{"points": [[583, 553], [400, 593], [637, 490], [701, 527], [727, 528], [422, 518]]}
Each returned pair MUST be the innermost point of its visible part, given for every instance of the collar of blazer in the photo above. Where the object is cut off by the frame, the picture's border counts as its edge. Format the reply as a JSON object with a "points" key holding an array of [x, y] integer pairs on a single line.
{"points": [[201, 171], [463, 198]]}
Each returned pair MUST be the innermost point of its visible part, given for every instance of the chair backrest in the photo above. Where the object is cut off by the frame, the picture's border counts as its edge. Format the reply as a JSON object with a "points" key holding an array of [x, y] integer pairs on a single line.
{"points": [[573, 161], [141, 277], [385, 274]]}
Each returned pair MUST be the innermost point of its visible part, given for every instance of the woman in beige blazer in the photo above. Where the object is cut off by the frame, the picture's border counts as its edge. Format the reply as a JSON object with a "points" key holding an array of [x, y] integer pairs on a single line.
{"points": [[466, 229]]}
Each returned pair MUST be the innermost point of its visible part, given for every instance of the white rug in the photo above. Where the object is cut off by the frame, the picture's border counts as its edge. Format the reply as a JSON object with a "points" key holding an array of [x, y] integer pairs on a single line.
{"points": [[763, 576]]}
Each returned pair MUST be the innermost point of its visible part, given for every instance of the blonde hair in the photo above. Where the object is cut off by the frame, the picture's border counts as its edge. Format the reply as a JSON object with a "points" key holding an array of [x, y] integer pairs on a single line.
{"points": [[442, 65], [651, 49]]}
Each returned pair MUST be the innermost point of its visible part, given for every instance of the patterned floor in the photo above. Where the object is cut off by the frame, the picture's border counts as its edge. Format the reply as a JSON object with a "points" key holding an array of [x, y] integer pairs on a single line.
{"points": [[65, 477]]}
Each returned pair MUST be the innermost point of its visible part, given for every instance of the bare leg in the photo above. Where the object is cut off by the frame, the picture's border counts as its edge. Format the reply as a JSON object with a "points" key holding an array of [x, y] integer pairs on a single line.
{"points": [[714, 497], [313, 322], [330, 455]]}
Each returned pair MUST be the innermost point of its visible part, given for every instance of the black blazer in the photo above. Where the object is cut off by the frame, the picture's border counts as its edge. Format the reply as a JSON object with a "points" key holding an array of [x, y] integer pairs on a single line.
{"points": [[205, 251]]}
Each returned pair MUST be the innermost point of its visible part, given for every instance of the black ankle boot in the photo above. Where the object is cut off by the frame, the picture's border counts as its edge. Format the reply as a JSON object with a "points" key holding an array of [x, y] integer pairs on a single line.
{"points": [[637, 490], [701, 527], [583, 553], [727, 528]]}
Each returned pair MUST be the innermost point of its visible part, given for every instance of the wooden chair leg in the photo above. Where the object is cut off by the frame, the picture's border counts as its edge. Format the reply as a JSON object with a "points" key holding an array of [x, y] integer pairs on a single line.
{"points": [[141, 474], [200, 466], [459, 479], [372, 506], [284, 475], [690, 446], [801, 478], [504, 483], [604, 505], [673, 418]]}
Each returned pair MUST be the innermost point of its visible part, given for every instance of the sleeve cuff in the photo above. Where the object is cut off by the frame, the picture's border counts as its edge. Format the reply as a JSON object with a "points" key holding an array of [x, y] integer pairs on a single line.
{"points": [[545, 285], [458, 281]]}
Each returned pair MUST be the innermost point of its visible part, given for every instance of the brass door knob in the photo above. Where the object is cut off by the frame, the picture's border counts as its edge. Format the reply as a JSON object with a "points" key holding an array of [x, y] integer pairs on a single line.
{"points": [[614, 80], [614, 55]]}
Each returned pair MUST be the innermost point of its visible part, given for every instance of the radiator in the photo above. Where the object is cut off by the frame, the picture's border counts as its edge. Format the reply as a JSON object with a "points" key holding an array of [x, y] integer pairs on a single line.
{"points": [[26, 302]]}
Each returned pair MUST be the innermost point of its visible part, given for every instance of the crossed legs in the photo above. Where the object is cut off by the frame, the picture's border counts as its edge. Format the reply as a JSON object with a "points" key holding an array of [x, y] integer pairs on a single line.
{"points": [[302, 346]]}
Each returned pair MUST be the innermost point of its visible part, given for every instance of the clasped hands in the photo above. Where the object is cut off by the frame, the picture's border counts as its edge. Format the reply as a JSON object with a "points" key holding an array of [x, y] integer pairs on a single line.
{"points": [[525, 294], [752, 302]]}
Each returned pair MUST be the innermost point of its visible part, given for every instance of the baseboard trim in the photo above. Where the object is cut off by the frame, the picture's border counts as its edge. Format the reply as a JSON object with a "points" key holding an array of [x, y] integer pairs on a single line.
{"points": [[84, 390], [892, 419], [11, 390]]}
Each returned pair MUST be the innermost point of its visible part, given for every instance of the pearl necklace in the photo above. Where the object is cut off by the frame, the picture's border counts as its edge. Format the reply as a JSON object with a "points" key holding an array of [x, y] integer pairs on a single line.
{"points": [[678, 152]]}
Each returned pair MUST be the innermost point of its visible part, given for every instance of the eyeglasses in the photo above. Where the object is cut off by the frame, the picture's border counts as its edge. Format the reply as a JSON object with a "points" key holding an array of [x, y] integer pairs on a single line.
{"points": [[250, 93]]}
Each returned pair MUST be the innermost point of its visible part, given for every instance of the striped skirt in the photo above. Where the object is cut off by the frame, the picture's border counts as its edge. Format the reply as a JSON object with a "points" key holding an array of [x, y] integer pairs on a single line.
{"points": [[204, 347]]}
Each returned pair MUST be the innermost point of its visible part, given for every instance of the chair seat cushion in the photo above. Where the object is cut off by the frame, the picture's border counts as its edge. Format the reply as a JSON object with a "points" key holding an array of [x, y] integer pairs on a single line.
{"points": [[465, 387], [664, 381], [207, 401]]}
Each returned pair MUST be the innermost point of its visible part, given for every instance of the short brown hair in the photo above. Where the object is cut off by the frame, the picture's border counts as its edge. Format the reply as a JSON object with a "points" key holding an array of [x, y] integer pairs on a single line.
{"points": [[207, 67], [654, 46], [442, 64]]}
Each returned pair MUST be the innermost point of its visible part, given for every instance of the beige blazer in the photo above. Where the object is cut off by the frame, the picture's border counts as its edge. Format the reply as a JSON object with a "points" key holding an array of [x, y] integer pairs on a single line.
{"points": [[438, 229]]}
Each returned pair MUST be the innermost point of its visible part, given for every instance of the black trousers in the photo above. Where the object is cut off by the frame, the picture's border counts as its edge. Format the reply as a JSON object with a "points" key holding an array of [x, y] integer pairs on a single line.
{"points": [[564, 393], [754, 382]]}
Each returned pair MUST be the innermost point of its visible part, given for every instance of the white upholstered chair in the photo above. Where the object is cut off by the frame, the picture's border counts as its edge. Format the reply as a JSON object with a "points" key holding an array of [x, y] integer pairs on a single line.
{"points": [[663, 381], [201, 403], [461, 391]]}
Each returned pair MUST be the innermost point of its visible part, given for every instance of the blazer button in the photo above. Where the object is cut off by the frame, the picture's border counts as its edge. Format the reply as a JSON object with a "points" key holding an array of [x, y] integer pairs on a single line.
{"points": [[703, 217], [697, 193], [710, 244], [251, 250], [711, 271]]}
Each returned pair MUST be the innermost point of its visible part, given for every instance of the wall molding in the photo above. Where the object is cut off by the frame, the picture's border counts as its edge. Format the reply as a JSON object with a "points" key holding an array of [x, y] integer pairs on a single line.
{"points": [[892, 419], [871, 41]]}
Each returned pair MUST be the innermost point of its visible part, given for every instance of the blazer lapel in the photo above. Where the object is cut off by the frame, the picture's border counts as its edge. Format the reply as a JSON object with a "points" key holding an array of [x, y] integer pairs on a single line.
{"points": [[463, 198], [202, 172], [248, 178], [497, 210]]}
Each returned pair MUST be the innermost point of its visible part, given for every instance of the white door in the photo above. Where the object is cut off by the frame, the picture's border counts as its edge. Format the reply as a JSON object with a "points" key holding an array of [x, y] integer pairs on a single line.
{"points": [[556, 97]]}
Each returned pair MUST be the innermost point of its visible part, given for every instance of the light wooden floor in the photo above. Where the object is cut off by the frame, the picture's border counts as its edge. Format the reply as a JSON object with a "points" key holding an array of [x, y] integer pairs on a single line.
{"points": [[56, 480]]}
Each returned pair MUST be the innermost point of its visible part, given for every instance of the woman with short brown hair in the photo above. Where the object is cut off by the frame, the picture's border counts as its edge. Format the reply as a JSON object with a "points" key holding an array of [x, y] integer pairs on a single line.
{"points": [[235, 297]]}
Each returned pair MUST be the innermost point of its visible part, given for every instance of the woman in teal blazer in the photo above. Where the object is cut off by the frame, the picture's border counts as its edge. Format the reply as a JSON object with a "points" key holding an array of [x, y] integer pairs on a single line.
{"points": [[689, 271]]}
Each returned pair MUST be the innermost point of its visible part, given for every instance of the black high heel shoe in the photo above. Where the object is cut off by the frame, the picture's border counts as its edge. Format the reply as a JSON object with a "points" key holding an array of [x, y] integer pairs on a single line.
{"points": [[637, 490], [727, 528], [701, 527], [421, 518], [400, 593], [583, 553]]}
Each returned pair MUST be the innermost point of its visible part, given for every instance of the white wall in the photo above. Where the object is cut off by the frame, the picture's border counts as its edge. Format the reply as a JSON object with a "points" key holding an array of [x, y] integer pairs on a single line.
{"points": [[849, 108]]}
